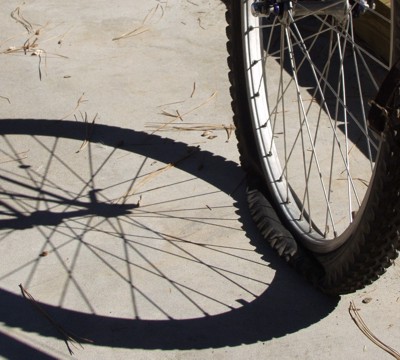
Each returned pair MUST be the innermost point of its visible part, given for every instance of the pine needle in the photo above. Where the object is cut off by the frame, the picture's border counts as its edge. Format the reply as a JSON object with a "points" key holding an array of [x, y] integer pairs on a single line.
{"points": [[143, 27], [229, 129], [135, 32], [5, 98], [18, 17], [19, 156], [180, 116], [68, 336], [78, 103], [194, 90], [151, 176], [89, 131], [368, 333], [214, 94]]}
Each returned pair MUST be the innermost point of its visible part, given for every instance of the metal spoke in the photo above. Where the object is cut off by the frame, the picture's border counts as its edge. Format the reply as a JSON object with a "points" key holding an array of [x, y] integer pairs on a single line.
{"points": [[309, 82]]}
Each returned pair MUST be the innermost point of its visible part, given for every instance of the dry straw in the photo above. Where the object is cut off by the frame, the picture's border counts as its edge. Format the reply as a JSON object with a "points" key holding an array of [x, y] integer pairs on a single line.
{"points": [[78, 104], [31, 44], [5, 98], [368, 333], [89, 130], [69, 338], [19, 156], [146, 179], [144, 26], [177, 115]]}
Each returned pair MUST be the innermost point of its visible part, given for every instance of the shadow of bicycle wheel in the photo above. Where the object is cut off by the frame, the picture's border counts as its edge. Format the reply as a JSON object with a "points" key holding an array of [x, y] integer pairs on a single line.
{"points": [[287, 304]]}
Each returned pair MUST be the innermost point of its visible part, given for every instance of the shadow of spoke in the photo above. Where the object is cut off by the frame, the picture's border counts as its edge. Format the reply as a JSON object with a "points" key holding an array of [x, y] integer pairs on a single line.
{"points": [[138, 275]]}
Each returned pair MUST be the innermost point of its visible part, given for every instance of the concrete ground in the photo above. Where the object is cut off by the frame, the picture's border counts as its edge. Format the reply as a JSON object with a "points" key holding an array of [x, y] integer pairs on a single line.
{"points": [[122, 203]]}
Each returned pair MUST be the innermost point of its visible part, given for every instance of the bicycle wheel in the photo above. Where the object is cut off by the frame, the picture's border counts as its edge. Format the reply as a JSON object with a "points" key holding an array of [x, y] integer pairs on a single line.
{"points": [[323, 181]]}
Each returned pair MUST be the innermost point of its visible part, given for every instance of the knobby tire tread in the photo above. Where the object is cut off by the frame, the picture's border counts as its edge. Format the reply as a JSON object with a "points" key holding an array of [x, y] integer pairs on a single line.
{"points": [[375, 243]]}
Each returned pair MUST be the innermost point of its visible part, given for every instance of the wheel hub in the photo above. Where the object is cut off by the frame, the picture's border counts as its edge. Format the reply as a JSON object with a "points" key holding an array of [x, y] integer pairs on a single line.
{"points": [[265, 8], [339, 9]]}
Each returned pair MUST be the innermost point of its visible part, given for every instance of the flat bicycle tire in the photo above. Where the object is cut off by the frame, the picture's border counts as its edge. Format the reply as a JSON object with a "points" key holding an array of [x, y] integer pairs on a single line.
{"points": [[370, 241]]}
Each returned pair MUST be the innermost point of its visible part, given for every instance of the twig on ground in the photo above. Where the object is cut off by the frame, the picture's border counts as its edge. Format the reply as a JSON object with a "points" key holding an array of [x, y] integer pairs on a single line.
{"points": [[5, 98], [137, 31], [78, 103], [205, 129], [180, 101], [229, 130], [89, 130], [194, 90], [28, 46], [162, 126], [151, 176], [213, 95], [19, 156], [143, 27], [368, 333], [18, 17], [31, 44], [178, 115], [67, 335], [199, 22], [166, 113], [39, 53]]}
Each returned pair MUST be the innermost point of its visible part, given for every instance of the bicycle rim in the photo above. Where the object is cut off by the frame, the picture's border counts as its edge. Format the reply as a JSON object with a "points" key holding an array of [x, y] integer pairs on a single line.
{"points": [[309, 81]]}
